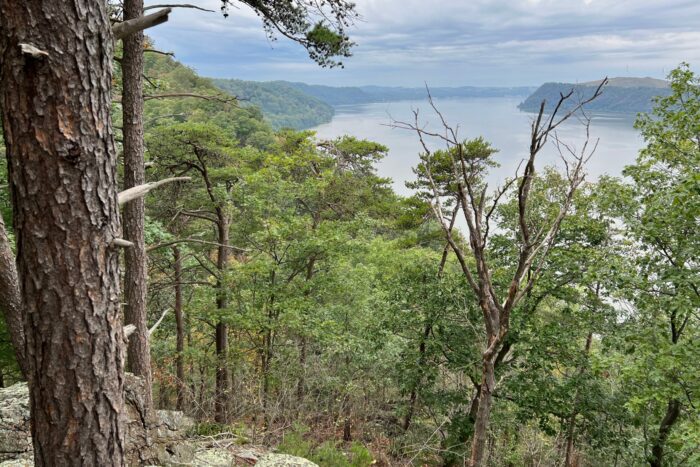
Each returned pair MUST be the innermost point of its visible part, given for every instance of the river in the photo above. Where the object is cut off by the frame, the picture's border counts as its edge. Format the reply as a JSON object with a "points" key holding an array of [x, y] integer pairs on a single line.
{"points": [[496, 119]]}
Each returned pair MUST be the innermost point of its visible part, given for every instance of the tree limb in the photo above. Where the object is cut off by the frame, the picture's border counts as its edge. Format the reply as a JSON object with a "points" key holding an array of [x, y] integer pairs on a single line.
{"points": [[191, 240], [169, 54], [141, 190], [125, 28], [225, 100], [155, 326], [175, 5]]}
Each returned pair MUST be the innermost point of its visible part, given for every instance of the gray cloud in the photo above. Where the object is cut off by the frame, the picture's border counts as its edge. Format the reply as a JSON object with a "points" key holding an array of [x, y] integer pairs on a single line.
{"points": [[455, 42]]}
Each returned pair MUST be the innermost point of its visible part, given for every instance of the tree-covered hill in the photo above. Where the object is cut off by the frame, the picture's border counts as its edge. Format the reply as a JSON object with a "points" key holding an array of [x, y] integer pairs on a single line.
{"points": [[279, 105], [283, 105], [623, 95]]}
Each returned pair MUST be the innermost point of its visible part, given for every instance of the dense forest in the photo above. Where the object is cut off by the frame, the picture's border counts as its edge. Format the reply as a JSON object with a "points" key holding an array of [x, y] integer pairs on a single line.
{"points": [[291, 299]]}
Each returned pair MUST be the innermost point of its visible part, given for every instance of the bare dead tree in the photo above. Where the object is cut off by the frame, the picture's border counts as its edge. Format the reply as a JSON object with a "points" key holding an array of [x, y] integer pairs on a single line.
{"points": [[464, 182]]}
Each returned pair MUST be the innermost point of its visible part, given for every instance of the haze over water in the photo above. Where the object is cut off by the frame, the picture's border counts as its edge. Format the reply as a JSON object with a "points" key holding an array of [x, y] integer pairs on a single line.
{"points": [[496, 119]]}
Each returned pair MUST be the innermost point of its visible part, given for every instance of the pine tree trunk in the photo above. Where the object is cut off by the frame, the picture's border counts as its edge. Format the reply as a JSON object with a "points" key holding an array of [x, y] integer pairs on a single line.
{"points": [[62, 167], [135, 272], [180, 325]]}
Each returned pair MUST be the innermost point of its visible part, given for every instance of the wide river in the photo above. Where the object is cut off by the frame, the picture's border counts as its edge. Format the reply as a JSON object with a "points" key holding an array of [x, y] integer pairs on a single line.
{"points": [[496, 119]]}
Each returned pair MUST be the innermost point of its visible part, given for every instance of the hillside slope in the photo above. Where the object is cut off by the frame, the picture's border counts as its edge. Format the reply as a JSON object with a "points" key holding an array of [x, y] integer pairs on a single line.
{"points": [[283, 105], [621, 95]]}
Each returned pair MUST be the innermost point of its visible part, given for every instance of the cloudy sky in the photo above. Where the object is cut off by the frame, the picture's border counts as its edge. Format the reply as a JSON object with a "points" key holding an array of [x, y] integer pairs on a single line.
{"points": [[453, 42]]}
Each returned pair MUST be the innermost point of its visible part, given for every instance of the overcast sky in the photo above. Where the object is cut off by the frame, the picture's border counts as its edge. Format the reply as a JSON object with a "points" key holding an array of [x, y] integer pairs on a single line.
{"points": [[453, 42]]}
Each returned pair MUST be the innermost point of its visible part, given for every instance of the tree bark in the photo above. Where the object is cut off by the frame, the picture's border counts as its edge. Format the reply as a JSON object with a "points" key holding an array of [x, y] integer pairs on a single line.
{"points": [[135, 270], [483, 414], [62, 166], [222, 372], [10, 298], [180, 325]]}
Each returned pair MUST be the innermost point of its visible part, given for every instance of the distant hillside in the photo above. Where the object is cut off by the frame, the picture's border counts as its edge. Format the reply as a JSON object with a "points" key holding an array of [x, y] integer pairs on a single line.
{"points": [[282, 105], [369, 94], [621, 95], [301, 105], [168, 76]]}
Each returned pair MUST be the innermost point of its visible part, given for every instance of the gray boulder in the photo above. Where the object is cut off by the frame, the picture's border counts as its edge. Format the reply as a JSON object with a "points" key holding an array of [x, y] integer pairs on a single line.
{"points": [[283, 460]]}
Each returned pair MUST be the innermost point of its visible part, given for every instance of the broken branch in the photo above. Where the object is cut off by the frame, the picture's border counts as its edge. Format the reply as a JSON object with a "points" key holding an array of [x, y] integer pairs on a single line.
{"points": [[125, 28], [141, 190], [155, 326]]}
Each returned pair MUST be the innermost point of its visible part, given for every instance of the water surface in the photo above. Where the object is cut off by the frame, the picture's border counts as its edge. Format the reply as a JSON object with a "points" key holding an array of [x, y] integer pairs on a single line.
{"points": [[496, 119]]}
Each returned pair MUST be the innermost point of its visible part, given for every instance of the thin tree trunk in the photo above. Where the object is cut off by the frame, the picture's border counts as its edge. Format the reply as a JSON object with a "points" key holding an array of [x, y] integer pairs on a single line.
{"points": [[180, 325], [571, 430], [673, 410], [347, 409], [267, 349], [483, 414], [135, 270], [413, 398], [301, 385], [222, 373], [63, 177]]}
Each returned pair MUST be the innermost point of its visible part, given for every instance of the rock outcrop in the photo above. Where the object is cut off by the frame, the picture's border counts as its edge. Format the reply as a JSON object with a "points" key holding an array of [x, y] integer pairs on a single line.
{"points": [[157, 438], [15, 437]]}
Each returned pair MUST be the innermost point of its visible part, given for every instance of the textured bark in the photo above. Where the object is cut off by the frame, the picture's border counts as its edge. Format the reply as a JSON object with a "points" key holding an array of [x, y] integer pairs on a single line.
{"points": [[135, 269], [222, 372], [180, 325], [62, 168], [10, 298]]}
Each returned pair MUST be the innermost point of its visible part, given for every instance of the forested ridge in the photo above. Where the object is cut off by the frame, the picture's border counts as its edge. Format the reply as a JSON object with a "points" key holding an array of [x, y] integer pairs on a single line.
{"points": [[623, 95], [293, 300]]}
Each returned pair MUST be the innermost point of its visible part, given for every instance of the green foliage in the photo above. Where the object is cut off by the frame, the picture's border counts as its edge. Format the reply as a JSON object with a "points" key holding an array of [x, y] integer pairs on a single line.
{"points": [[166, 76], [318, 26], [660, 341], [346, 312], [327, 454]]}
